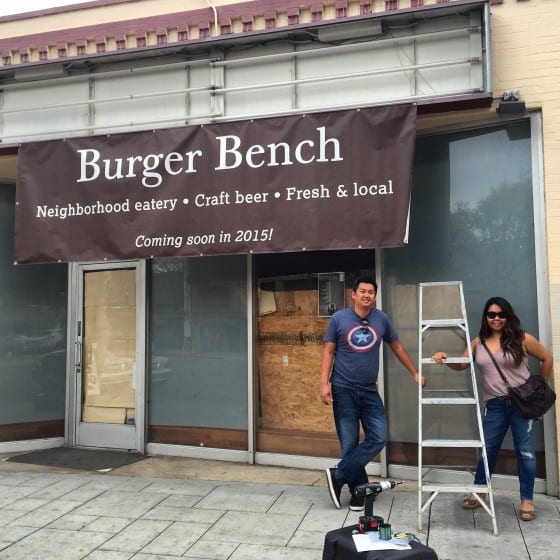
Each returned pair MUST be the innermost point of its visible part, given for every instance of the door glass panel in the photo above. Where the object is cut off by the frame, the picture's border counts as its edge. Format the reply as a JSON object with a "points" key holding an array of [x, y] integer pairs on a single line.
{"points": [[109, 344]]}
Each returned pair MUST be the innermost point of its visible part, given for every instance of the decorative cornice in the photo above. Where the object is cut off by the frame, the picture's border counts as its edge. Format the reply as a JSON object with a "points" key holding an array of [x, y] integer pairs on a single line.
{"points": [[185, 26]]}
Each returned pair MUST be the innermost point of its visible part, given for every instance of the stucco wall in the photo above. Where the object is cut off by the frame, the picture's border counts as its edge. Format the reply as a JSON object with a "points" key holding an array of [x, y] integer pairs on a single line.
{"points": [[114, 10]]}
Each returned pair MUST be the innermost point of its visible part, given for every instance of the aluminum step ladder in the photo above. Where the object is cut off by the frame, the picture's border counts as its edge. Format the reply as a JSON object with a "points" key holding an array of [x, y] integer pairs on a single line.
{"points": [[435, 299]]}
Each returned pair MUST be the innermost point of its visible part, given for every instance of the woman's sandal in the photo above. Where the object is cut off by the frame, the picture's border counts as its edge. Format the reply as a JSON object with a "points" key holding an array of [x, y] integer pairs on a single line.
{"points": [[471, 503], [526, 514]]}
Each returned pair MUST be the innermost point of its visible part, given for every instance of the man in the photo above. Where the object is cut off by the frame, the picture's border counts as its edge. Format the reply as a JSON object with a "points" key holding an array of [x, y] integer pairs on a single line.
{"points": [[349, 370]]}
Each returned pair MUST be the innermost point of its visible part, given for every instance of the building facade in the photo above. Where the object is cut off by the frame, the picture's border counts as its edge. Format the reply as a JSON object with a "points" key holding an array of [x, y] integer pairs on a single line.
{"points": [[189, 189]]}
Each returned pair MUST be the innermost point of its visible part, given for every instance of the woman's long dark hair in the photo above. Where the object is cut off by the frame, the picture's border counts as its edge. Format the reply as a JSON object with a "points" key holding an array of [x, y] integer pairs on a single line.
{"points": [[511, 338]]}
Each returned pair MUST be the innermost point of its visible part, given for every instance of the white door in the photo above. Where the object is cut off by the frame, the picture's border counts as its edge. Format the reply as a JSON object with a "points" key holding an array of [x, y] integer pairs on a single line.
{"points": [[106, 377]]}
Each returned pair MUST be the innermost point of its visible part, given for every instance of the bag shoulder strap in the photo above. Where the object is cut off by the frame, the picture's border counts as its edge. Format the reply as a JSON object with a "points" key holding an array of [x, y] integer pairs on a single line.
{"points": [[495, 364]]}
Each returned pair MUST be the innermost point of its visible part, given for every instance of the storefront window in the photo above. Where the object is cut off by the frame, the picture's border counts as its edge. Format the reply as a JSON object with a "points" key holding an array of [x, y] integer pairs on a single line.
{"points": [[471, 220], [33, 303], [297, 293], [198, 346]]}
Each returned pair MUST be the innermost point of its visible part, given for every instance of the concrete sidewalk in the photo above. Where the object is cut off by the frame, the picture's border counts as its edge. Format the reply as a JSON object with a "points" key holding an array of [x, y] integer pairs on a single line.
{"points": [[166, 507]]}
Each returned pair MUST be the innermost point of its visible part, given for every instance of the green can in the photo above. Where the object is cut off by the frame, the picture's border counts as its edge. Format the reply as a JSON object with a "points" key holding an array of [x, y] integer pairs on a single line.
{"points": [[385, 532]]}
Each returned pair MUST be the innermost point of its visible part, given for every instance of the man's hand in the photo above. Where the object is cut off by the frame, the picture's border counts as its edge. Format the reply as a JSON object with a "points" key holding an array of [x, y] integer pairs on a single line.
{"points": [[326, 395], [417, 377], [327, 360], [403, 357]]}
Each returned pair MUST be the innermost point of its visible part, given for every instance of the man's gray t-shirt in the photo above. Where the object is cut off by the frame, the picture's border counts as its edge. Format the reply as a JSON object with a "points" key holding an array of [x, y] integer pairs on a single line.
{"points": [[356, 362]]}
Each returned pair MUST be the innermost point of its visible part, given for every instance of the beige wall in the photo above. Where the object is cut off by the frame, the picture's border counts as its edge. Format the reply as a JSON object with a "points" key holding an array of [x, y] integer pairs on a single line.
{"points": [[103, 14]]}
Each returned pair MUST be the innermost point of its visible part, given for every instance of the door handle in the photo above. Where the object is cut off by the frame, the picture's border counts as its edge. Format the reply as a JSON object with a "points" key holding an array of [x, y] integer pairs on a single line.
{"points": [[78, 356]]}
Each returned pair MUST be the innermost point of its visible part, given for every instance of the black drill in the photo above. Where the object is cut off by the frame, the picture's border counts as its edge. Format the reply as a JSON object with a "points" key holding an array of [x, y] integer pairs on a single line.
{"points": [[368, 521]]}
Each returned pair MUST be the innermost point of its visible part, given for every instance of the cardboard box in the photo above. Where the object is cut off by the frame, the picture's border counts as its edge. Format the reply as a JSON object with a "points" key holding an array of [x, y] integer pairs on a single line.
{"points": [[111, 287], [104, 415]]}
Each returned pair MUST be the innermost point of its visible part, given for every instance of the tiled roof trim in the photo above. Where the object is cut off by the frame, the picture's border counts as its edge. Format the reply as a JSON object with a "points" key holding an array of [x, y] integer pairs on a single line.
{"points": [[182, 27]]}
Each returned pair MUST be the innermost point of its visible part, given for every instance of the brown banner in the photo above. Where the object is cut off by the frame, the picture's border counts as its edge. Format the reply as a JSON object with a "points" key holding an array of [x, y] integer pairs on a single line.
{"points": [[338, 180]]}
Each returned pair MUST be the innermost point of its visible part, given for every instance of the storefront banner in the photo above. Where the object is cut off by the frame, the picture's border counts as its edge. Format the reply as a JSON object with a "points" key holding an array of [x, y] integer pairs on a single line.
{"points": [[337, 180]]}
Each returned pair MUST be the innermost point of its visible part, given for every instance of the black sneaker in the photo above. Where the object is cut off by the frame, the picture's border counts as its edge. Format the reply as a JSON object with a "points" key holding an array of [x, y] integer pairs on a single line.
{"points": [[334, 488], [357, 502]]}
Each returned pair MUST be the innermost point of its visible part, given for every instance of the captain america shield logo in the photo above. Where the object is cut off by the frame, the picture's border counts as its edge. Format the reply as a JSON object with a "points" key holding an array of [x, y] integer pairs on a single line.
{"points": [[361, 338]]}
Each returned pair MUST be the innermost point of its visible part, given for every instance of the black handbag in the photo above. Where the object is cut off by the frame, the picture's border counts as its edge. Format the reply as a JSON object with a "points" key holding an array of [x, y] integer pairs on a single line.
{"points": [[532, 398]]}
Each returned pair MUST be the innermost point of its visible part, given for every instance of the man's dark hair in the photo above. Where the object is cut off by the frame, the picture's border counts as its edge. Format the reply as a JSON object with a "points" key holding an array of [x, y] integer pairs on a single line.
{"points": [[364, 280]]}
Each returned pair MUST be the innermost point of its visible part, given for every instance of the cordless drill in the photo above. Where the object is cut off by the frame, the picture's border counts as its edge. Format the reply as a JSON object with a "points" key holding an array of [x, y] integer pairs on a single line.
{"points": [[368, 521]]}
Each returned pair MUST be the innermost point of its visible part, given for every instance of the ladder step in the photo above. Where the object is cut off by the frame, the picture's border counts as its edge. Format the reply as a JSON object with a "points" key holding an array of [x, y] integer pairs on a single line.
{"points": [[449, 400], [460, 360], [443, 283], [451, 443], [434, 487], [443, 323]]}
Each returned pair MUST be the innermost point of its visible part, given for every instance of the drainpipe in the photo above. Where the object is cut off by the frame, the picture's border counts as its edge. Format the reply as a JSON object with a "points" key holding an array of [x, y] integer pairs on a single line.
{"points": [[216, 28]]}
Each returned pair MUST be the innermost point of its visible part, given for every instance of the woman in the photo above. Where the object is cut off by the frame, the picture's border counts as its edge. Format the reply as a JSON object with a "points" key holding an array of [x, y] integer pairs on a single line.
{"points": [[501, 331]]}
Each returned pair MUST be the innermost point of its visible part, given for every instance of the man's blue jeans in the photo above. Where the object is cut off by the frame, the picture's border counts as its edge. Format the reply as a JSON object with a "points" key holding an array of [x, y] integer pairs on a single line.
{"points": [[499, 415], [352, 407]]}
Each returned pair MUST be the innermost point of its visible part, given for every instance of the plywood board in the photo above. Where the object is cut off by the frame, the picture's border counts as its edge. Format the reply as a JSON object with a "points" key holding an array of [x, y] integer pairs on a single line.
{"points": [[290, 350]]}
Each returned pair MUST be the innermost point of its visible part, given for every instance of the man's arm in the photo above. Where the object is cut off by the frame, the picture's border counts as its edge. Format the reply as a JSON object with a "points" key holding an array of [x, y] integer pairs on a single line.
{"points": [[402, 355], [329, 349]]}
